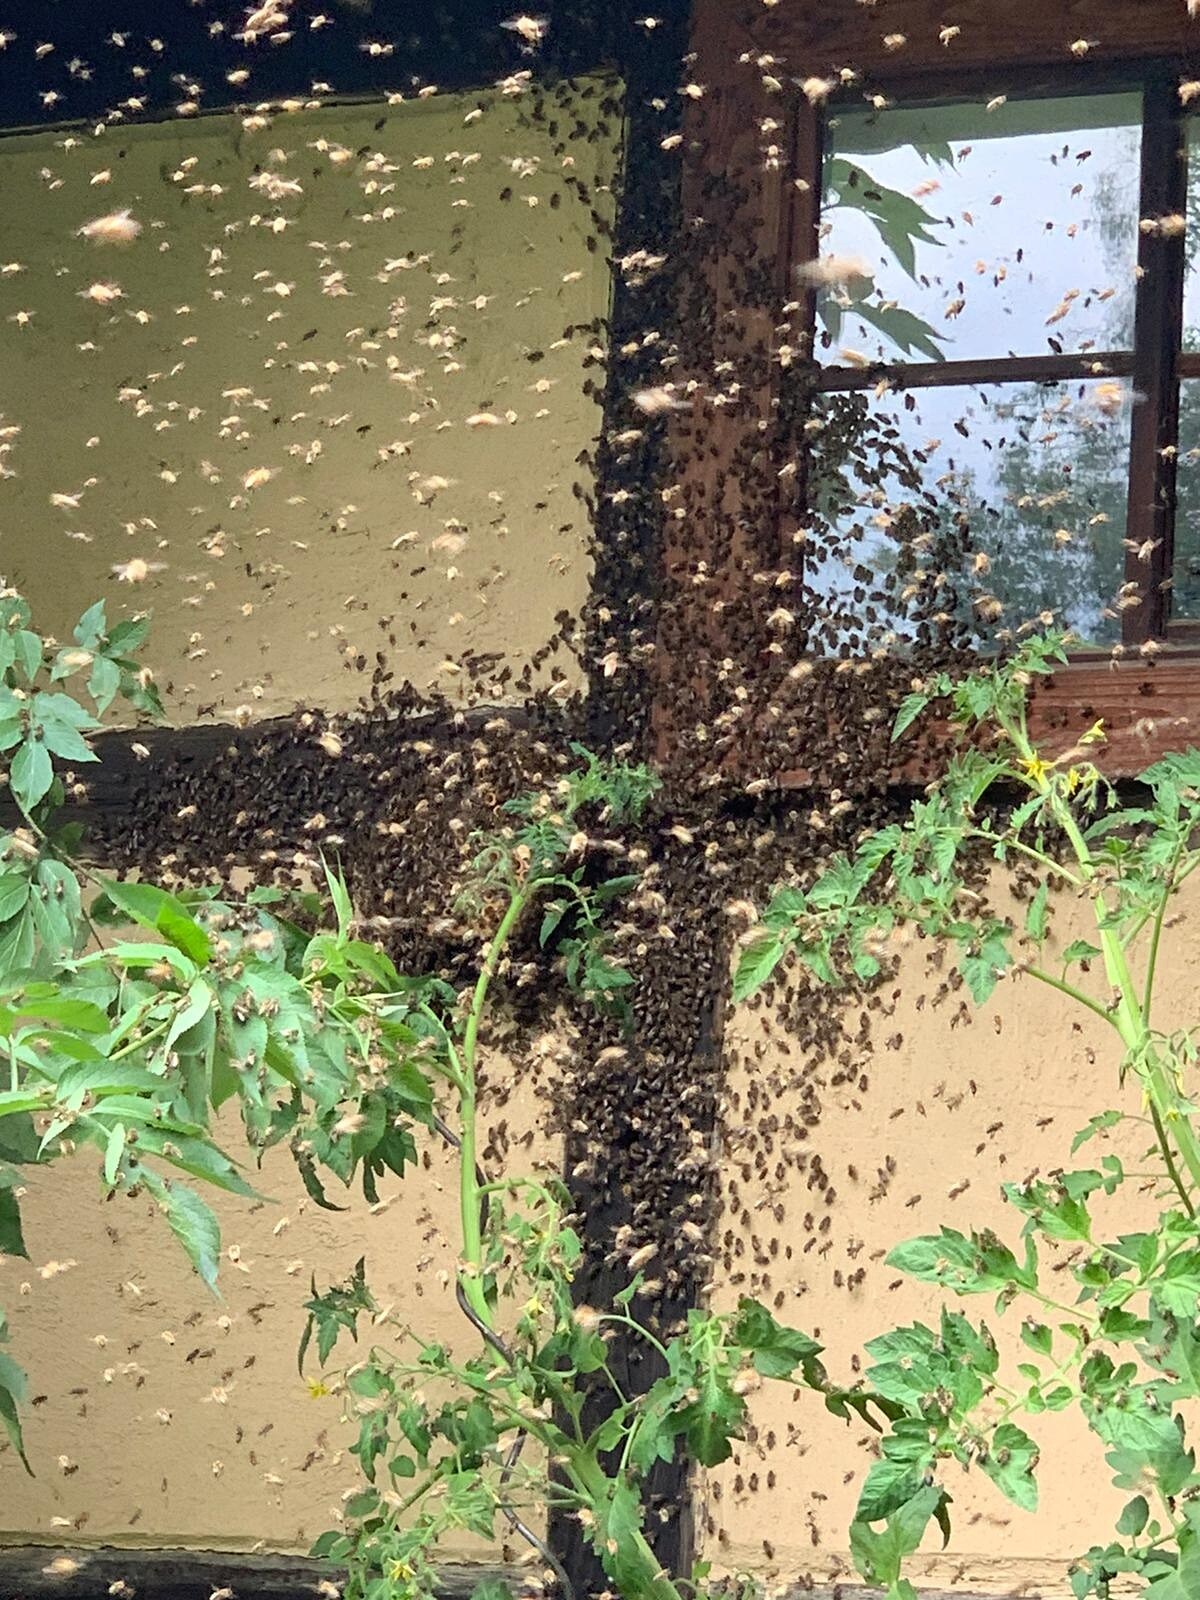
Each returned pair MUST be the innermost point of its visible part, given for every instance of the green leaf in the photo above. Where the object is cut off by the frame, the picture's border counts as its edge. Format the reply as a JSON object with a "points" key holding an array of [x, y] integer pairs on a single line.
{"points": [[976, 1265], [1097, 1124], [191, 1221], [982, 963], [196, 1004], [777, 1350], [1079, 950], [888, 1486], [27, 653], [14, 892], [12, 1241], [17, 943], [1037, 1336], [14, 1102], [491, 1589], [756, 964], [910, 709], [91, 626], [12, 1396], [126, 637], [340, 896], [879, 1555], [1134, 1517], [1035, 916], [1184, 1582], [114, 1149], [186, 934], [1010, 1462], [101, 1078], [104, 683], [31, 773], [153, 907]]}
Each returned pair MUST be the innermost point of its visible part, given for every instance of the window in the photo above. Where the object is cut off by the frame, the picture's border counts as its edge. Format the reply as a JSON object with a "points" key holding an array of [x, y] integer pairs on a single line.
{"points": [[1006, 294]]}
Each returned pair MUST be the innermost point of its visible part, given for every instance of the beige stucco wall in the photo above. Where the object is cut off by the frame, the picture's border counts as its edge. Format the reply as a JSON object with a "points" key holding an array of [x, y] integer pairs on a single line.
{"points": [[163, 1416], [349, 355], [917, 1131]]}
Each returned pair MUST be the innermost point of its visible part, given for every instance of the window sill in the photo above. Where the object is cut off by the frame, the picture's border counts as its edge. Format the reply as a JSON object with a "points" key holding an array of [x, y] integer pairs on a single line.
{"points": [[1148, 710]]}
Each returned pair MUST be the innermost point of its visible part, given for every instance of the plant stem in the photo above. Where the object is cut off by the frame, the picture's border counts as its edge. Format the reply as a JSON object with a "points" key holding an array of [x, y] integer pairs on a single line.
{"points": [[1156, 933], [642, 1575], [471, 1272], [1072, 992], [1167, 1109]]}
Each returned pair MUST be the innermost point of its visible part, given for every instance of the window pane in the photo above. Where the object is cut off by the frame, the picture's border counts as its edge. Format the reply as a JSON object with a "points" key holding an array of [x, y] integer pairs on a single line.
{"points": [[1191, 288], [969, 509], [983, 232], [1185, 592]]}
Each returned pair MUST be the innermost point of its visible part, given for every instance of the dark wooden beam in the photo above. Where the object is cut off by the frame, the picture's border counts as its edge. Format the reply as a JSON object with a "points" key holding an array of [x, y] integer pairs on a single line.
{"points": [[907, 36], [31, 1572], [1158, 334], [43, 1572], [985, 370]]}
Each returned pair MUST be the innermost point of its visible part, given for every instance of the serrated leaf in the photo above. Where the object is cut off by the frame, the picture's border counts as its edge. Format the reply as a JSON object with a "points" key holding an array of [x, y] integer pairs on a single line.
{"points": [[910, 709], [1010, 1462], [777, 1350], [756, 964], [31, 773], [191, 1221]]}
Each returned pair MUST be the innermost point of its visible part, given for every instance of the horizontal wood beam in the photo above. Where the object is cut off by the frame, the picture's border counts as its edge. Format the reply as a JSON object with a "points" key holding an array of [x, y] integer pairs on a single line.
{"points": [[1148, 711], [29, 1572], [133, 758], [989, 370], [39, 1572]]}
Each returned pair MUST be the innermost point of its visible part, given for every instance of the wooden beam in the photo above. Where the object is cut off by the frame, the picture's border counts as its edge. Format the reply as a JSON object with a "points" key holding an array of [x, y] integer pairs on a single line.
{"points": [[31, 1572], [985, 370], [43, 1572], [905, 36]]}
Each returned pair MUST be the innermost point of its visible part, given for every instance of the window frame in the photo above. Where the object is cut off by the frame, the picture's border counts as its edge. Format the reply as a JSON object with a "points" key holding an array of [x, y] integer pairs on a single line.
{"points": [[1155, 364]]}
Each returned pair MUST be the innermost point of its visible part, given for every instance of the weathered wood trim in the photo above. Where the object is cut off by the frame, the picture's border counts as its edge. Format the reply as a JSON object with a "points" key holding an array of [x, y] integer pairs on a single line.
{"points": [[29, 1572], [1147, 712], [826, 35], [984, 370]]}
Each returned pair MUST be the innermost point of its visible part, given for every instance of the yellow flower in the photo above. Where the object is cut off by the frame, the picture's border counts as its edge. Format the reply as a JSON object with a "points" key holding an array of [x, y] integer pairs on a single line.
{"points": [[1095, 734], [1035, 769], [316, 1389]]}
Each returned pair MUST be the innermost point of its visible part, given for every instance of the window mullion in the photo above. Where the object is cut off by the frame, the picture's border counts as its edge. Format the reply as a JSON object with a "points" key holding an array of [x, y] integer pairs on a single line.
{"points": [[1157, 334]]}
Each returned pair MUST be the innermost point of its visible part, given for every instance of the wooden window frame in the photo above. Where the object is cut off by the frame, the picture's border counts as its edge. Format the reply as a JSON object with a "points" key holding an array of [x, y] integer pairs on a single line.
{"points": [[1155, 361], [1149, 706]]}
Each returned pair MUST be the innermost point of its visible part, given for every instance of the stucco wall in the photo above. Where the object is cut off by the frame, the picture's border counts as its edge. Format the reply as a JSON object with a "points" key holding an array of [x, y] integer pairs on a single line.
{"points": [[339, 341], [828, 1164], [163, 1416]]}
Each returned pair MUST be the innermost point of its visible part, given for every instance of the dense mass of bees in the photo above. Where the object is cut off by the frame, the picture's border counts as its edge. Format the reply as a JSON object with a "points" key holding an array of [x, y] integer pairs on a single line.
{"points": [[698, 643]]}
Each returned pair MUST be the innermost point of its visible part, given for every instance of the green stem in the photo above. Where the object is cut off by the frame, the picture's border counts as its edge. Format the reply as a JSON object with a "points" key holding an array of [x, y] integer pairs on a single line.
{"points": [[1162, 1096], [1168, 1155], [471, 1272], [1156, 933], [1075, 994], [643, 1576], [637, 1327]]}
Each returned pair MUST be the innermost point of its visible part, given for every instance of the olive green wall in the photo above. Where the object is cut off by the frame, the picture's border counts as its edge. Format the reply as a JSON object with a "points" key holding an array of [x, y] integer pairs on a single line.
{"points": [[355, 393]]}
